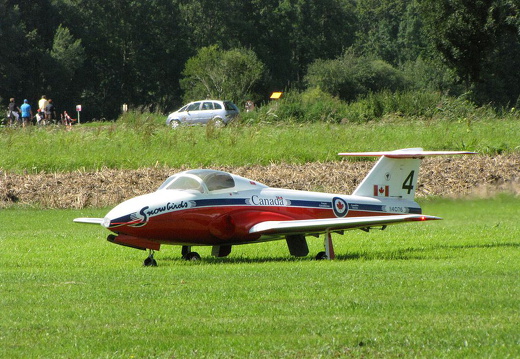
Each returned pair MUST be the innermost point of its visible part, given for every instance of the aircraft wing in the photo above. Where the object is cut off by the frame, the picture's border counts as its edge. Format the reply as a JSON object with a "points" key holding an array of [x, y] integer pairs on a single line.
{"points": [[89, 220], [309, 226]]}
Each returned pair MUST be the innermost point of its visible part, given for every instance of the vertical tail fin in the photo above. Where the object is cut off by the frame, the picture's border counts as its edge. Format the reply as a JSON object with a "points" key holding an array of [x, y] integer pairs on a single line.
{"points": [[396, 172]]}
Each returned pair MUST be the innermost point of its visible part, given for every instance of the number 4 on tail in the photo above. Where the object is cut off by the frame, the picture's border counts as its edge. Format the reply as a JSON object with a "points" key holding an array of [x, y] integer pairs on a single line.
{"points": [[408, 182]]}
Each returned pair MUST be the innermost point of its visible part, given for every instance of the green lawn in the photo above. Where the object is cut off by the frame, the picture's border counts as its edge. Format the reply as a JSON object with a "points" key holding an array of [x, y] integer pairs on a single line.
{"points": [[446, 288]]}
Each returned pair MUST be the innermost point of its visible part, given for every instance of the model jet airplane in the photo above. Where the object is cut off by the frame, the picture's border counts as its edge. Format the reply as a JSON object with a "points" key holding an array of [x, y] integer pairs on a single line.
{"points": [[213, 208]]}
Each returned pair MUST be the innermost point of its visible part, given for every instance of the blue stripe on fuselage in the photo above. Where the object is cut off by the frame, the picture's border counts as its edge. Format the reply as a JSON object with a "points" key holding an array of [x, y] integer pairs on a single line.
{"points": [[298, 203], [220, 202], [311, 204]]}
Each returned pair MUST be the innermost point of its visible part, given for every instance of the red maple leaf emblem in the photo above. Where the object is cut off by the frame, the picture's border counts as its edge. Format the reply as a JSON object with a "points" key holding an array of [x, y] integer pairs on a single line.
{"points": [[381, 190], [340, 205]]}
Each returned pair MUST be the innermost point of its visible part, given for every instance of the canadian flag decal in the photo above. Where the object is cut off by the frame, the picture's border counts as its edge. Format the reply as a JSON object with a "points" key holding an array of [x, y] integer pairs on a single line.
{"points": [[381, 191]]}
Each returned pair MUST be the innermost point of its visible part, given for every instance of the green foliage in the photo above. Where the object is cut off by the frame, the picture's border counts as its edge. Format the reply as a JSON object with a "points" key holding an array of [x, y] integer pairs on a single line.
{"points": [[350, 76], [390, 30], [225, 75], [67, 52], [425, 74], [443, 289], [480, 41], [316, 105]]}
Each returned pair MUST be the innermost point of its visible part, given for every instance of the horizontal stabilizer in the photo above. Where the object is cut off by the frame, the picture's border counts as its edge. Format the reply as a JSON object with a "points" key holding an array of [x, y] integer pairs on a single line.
{"points": [[89, 220], [332, 224], [406, 153]]}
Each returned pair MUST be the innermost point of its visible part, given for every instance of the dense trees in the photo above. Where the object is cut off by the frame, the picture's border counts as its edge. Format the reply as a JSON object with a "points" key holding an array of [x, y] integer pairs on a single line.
{"points": [[207, 75], [102, 54], [479, 39]]}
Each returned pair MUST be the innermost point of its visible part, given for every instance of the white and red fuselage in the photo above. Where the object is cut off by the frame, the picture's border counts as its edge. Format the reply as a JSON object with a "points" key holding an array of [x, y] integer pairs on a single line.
{"points": [[201, 216]]}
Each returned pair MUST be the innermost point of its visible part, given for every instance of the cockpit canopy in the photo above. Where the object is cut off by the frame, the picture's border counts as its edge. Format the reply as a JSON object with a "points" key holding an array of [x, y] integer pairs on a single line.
{"points": [[206, 181]]}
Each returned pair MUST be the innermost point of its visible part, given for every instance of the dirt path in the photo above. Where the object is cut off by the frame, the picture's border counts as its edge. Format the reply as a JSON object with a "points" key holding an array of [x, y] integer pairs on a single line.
{"points": [[478, 176]]}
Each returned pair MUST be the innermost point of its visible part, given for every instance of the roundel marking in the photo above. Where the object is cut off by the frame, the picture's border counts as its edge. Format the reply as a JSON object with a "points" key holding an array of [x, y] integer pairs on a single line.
{"points": [[340, 207]]}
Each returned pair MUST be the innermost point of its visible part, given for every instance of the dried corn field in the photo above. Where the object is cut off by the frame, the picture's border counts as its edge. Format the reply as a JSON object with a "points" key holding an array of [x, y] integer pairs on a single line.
{"points": [[468, 176]]}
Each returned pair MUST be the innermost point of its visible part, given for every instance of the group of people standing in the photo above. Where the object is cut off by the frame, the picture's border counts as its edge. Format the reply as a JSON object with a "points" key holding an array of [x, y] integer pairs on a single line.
{"points": [[45, 114]]}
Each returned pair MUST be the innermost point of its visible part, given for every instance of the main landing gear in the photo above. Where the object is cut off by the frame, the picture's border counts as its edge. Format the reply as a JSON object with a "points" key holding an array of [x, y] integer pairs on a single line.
{"points": [[298, 246], [189, 255], [329, 248]]}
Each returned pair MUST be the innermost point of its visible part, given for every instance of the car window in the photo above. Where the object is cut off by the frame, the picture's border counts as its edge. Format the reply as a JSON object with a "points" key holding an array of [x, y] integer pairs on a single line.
{"points": [[217, 106], [194, 106], [182, 109], [230, 106], [207, 105]]}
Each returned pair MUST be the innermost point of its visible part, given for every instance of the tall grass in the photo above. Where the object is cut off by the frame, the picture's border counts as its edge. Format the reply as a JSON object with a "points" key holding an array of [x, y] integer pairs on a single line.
{"points": [[145, 141]]}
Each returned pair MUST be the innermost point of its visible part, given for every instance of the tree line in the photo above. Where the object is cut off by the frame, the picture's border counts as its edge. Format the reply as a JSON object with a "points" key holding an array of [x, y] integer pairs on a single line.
{"points": [[156, 54]]}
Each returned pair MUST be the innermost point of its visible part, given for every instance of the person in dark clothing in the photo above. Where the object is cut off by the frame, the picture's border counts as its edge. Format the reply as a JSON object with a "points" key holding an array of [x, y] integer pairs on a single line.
{"points": [[13, 112], [50, 112]]}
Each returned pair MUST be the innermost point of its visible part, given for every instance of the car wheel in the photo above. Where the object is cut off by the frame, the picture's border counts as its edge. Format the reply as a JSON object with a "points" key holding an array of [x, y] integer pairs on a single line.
{"points": [[217, 122], [174, 124]]}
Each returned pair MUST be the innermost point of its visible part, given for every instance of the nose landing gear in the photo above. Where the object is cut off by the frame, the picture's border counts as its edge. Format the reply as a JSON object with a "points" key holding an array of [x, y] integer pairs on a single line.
{"points": [[150, 261]]}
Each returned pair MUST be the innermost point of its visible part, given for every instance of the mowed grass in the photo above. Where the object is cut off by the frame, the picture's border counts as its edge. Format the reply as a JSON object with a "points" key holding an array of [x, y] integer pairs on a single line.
{"points": [[149, 142], [443, 289]]}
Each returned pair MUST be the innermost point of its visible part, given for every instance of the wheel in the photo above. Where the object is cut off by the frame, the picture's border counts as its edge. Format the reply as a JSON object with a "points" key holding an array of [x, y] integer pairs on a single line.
{"points": [[192, 256], [175, 123], [217, 122], [150, 262], [321, 255]]}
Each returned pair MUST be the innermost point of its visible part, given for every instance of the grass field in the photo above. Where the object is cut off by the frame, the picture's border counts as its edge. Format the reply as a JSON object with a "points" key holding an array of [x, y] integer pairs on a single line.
{"points": [[147, 142], [446, 289]]}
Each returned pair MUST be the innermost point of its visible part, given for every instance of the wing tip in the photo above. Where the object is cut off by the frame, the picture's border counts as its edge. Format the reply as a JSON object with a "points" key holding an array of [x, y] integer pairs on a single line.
{"points": [[88, 220]]}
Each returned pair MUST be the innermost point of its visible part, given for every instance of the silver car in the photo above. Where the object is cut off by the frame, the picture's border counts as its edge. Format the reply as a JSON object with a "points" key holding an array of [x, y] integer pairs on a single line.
{"points": [[219, 113]]}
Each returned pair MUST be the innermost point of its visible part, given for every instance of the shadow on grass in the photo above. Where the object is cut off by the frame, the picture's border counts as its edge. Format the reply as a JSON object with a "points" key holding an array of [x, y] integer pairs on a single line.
{"points": [[417, 253]]}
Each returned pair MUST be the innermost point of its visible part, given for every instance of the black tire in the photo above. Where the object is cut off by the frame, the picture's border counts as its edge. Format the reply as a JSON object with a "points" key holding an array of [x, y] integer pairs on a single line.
{"points": [[193, 256], [150, 262], [321, 256]]}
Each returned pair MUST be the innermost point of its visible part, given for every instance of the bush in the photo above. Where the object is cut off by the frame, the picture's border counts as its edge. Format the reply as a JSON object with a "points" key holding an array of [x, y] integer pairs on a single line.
{"points": [[316, 105], [350, 76], [312, 105]]}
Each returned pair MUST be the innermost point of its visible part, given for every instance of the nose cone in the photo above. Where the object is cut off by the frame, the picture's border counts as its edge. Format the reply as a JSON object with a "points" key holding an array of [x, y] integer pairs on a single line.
{"points": [[128, 212]]}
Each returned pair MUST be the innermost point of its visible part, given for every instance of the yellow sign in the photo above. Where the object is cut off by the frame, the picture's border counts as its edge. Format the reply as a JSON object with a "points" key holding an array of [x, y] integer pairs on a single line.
{"points": [[276, 95]]}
